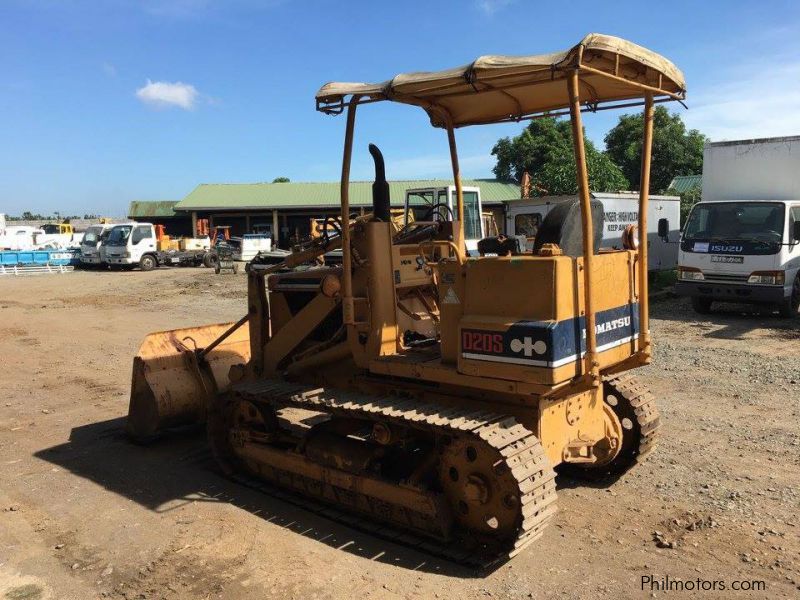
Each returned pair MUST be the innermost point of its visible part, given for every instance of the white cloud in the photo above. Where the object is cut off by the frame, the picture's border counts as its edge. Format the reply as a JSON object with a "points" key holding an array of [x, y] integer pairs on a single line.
{"points": [[163, 94], [758, 99], [489, 7]]}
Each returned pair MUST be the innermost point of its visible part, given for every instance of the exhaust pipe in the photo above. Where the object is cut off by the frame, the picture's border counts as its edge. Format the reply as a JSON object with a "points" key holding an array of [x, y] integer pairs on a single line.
{"points": [[380, 187]]}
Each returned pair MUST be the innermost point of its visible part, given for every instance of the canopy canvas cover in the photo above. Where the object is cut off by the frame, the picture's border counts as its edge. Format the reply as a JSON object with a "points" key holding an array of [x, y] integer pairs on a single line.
{"points": [[507, 88]]}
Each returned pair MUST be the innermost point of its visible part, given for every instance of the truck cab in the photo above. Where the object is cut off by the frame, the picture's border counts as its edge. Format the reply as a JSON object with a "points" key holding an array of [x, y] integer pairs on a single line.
{"points": [[437, 204], [61, 235], [741, 251], [131, 244], [92, 245]]}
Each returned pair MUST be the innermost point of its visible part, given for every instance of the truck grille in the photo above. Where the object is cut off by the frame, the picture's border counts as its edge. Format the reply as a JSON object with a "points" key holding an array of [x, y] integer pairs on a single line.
{"points": [[724, 278]]}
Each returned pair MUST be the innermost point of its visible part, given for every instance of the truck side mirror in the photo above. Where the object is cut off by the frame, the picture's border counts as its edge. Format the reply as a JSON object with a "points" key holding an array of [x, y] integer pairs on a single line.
{"points": [[796, 231], [663, 229]]}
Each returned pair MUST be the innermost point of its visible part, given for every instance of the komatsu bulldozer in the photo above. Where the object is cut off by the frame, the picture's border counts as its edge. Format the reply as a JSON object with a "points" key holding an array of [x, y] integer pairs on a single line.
{"points": [[416, 391]]}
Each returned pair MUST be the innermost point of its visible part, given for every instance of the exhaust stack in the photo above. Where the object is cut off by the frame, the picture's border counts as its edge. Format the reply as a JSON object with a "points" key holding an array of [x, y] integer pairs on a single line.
{"points": [[380, 187]]}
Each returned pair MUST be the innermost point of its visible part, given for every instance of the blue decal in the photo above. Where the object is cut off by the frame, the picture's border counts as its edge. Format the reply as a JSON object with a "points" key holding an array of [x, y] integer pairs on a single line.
{"points": [[551, 343]]}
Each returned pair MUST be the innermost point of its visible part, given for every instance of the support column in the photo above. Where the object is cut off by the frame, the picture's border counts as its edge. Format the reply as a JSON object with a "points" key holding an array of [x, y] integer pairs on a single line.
{"points": [[644, 198], [591, 365], [275, 230], [348, 310], [194, 223], [459, 237]]}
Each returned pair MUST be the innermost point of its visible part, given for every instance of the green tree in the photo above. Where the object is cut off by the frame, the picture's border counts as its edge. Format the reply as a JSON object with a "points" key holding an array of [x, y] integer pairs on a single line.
{"points": [[281, 180], [676, 151], [544, 149], [688, 199]]}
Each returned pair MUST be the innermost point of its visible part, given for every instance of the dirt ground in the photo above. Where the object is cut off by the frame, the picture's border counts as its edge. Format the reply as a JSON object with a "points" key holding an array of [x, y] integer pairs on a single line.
{"points": [[85, 514]]}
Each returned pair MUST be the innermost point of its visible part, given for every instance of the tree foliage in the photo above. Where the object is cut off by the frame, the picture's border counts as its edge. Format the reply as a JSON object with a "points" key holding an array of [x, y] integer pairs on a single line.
{"points": [[688, 199], [281, 180], [544, 149], [676, 151]]}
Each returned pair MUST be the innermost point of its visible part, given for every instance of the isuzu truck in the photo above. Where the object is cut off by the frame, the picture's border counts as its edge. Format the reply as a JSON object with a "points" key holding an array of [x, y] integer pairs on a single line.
{"points": [[741, 243]]}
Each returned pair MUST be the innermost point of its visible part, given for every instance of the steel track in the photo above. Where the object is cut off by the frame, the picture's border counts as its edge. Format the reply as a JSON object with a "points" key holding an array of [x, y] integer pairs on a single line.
{"points": [[522, 455]]}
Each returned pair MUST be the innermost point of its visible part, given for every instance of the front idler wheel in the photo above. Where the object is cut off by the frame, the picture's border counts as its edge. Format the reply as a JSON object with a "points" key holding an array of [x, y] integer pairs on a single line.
{"points": [[634, 407]]}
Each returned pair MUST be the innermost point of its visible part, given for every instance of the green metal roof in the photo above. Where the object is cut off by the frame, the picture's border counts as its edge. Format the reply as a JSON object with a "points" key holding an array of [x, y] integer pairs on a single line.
{"points": [[684, 183], [152, 208], [237, 196]]}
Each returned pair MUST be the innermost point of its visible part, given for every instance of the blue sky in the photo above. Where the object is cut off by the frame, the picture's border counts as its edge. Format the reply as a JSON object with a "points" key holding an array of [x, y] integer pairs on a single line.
{"points": [[103, 102]]}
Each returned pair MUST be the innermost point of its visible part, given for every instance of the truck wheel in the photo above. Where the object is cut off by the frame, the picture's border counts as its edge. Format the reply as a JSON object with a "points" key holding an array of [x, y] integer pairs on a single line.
{"points": [[147, 263], [211, 260], [791, 305], [702, 306]]}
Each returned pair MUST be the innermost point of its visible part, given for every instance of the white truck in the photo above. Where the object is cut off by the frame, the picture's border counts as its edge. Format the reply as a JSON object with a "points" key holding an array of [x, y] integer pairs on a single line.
{"points": [[93, 250], [438, 204], [523, 218], [20, 237], [134, 244], [741, 243]]}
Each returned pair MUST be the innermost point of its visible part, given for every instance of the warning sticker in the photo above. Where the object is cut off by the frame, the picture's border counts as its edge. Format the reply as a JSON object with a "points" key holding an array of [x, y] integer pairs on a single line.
{"points": [[450, 297]]}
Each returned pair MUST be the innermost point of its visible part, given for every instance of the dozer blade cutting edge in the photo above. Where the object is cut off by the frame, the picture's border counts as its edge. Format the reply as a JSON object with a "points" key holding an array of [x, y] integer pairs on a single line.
{"points": [[169, 386]]}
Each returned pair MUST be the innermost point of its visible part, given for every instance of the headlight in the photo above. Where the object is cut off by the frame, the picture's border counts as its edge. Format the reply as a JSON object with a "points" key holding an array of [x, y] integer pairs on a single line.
{"points": [[690, 274], [127, 255], [767, 277]]}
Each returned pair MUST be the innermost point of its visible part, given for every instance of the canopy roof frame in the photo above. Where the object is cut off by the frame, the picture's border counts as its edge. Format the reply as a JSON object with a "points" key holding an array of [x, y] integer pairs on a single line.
{"points": [[610, 70], [571, 67]]}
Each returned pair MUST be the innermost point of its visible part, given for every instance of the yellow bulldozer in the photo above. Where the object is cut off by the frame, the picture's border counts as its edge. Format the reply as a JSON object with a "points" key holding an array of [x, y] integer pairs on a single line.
{"points": [[419, 392]]}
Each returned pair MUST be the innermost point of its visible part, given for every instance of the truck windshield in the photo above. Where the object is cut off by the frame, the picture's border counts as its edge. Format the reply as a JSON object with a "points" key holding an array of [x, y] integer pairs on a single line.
{"points": [[119, 235], [92, 236], [736, 221], [50, 229]]}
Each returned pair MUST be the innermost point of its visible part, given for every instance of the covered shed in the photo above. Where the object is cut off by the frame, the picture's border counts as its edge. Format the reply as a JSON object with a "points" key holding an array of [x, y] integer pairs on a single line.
{"points": [[161, 212], [287, 208]]}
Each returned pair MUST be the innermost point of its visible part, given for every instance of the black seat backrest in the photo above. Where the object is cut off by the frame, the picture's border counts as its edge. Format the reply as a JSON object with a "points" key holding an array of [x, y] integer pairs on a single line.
{"points": [[562, 226]]}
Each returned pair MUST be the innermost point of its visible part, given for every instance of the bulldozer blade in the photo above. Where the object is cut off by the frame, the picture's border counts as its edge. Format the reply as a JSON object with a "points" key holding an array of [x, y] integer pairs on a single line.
{"points": [[171, 387]]}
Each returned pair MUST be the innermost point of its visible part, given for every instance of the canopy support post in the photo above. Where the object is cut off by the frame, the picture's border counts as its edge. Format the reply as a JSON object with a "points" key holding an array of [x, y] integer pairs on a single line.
{"points": [[644, 198], [592, 367], [348, 312], [451, 139]]}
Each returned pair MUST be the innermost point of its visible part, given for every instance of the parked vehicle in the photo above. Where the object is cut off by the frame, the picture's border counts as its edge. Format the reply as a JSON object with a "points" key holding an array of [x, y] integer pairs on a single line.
{"points": [[742, 242], [250, 244], [134, 244], [20, 237], [59, 235], [92, 248], [620, 210], [437, 204]]}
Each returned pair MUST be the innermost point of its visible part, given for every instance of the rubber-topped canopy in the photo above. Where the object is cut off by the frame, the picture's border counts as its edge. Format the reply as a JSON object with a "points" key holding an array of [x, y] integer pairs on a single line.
{"points": [[501, 88]]}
